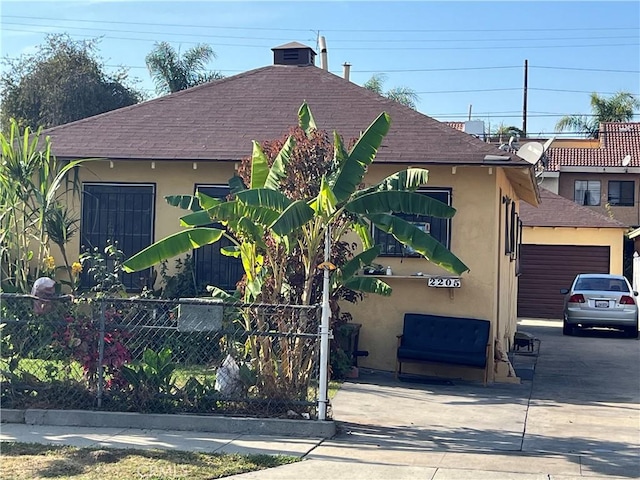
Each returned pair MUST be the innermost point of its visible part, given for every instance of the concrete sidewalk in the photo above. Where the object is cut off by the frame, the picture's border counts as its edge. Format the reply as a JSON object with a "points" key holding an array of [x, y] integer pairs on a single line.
{"points": [[578, 418]]}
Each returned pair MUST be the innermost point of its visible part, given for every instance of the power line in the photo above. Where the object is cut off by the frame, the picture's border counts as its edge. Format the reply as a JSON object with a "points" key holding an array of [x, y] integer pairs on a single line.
{"points": [[355, 40], [585, 69], [430, 30], [402, 70], [350, 48]]}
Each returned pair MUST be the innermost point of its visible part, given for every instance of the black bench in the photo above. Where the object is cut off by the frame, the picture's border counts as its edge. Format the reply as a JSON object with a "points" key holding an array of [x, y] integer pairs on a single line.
{"points": [[439, 339]]}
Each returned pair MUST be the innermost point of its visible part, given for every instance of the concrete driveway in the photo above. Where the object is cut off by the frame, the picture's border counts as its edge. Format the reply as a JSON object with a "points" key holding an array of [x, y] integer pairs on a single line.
{"points": [[578, 416]]}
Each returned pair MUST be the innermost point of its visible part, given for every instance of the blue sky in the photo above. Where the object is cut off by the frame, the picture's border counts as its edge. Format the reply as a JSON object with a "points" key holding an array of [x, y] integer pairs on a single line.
{"points": [[454, 54]]}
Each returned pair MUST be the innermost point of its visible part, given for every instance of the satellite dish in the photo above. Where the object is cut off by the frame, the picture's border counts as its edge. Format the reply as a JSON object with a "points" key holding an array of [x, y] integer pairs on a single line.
{"points": [[626, 160], [548, 143], [531, 152]]}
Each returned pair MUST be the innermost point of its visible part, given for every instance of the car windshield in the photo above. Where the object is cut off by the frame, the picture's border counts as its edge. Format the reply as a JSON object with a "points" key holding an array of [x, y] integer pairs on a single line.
{"points": [[602, 284]]}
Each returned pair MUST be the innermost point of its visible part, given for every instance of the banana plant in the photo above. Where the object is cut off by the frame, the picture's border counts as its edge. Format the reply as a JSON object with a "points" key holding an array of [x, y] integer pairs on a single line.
{"points": [[270, 231], [260, 209]]}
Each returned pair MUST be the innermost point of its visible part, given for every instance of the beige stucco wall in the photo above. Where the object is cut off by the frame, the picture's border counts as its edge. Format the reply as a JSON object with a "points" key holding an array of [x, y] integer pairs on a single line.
{"points": [[476, 236], [488, 291], [612, 237]]}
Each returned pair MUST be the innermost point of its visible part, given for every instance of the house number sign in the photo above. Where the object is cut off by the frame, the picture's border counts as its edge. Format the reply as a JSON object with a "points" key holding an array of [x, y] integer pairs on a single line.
{"points": [[444, 282]]}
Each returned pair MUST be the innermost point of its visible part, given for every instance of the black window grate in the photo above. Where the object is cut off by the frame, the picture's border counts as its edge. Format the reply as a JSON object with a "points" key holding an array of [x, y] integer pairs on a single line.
{"points": [[118, 213], [438, 228]]}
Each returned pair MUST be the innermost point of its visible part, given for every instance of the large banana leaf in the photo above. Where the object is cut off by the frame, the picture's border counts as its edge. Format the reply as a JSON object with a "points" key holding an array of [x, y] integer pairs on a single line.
{"points": [[368, 285], [361, 155], [259, 166], [325, 202], [306, 120], [410, 180], [403, 202], [278, 170], [263, 197], [363, 230], [295, 216], [230, 212], [249, 229], [172, 246], [185, 202], [196, 219], [206, 201], [420, 241]]}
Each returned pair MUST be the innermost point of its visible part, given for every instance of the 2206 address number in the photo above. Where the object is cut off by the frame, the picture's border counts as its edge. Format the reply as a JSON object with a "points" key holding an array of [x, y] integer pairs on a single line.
{"points": [[444, 282]]}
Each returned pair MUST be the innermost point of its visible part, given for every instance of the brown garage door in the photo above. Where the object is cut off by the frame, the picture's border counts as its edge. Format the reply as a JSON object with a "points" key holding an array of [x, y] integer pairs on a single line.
{"points": [[545, 269]]}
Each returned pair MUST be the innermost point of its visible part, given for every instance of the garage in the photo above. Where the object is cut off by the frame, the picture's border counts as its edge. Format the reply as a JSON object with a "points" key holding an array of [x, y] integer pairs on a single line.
{"points": [[545, 269]]}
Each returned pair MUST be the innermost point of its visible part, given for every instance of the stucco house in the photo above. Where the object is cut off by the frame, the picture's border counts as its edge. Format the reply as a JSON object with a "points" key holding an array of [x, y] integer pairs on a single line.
{"points": [[559, 240], [195, 138]]}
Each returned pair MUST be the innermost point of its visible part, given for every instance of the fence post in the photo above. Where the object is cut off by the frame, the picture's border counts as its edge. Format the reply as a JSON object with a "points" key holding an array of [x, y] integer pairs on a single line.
{"points": [[101, 354], [324, 332]]}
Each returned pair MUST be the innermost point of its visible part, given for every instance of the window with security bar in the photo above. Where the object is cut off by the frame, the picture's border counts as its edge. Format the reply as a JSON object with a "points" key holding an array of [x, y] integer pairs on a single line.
{"points": [[438, 228], [122, 213]]}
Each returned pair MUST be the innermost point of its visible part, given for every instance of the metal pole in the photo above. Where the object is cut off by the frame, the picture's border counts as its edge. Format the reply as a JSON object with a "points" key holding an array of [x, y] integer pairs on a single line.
{"points": [[524, 100], [324, 333]]}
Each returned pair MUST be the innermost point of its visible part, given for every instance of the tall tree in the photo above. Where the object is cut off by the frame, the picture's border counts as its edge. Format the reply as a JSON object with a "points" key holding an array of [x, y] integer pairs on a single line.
{"points": [[172, 72], [617, 108], [403, 95], [62, 82]]}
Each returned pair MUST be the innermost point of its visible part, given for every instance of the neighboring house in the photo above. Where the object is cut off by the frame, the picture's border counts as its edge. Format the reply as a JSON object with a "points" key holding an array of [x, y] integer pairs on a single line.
{"points": [[559, 240], [195, 138], [601, 174]]}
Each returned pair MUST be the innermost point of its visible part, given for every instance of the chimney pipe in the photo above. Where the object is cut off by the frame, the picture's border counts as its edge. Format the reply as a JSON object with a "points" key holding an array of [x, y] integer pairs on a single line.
{"points": [[324, 64], [347, 70]]}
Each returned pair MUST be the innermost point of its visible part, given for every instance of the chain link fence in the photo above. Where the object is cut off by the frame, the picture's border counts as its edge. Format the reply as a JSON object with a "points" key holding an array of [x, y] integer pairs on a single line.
{"points": [[162, 356]]}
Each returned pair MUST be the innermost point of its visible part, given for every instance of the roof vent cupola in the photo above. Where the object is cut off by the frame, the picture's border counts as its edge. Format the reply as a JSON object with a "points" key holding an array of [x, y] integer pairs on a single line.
{"points": [[294, 53]]}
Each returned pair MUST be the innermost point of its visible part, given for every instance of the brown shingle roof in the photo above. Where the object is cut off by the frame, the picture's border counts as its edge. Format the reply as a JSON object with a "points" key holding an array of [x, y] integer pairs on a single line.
{"points": [[616, 141], [557, 211], [218, 121]]}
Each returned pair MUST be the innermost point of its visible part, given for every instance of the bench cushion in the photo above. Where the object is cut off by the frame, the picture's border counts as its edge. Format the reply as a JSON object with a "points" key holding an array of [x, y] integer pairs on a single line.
{"points": [[456, 340]]}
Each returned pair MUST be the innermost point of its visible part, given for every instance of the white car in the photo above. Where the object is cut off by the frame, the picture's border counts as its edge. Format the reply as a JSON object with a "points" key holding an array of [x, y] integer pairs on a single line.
{"points": [[600, 300]]}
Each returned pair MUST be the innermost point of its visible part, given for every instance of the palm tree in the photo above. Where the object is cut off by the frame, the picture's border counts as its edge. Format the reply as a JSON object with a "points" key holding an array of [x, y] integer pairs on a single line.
{"points": [[618, 108], [403, 95], [172, 72]]}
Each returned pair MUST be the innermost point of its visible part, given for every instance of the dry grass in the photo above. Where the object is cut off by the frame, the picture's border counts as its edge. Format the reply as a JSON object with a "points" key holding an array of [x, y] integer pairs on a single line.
{"points": [[35, 461]]}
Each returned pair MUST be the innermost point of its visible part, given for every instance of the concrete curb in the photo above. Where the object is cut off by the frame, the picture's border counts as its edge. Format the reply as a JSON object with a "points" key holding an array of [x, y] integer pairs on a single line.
{"points": [[202, 423]]}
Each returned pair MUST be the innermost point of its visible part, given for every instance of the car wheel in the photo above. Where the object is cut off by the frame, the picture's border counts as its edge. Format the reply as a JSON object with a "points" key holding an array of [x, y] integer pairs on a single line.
{"points": [[566, 328], [632, 332]]}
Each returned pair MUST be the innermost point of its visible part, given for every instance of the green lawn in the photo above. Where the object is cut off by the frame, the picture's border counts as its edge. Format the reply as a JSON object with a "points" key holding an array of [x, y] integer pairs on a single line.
{"points": [[26, 461]]}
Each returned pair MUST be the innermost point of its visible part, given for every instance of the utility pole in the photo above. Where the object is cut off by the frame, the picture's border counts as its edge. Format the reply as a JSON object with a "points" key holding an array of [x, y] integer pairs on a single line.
{"points": [[524, 103]]}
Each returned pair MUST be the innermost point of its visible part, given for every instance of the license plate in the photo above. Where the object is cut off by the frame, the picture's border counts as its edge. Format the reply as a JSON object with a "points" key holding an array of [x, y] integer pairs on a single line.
{"points": [[444, 282], [602, 304]]}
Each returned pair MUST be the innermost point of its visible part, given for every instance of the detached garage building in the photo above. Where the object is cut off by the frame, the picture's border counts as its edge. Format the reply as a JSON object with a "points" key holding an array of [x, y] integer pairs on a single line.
{"points": [[559, 240]]}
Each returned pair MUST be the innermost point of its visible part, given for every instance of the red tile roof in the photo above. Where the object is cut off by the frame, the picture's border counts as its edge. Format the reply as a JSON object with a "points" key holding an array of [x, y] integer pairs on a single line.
{"points": [[218, 121], [616, 141], [557, 211]]}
